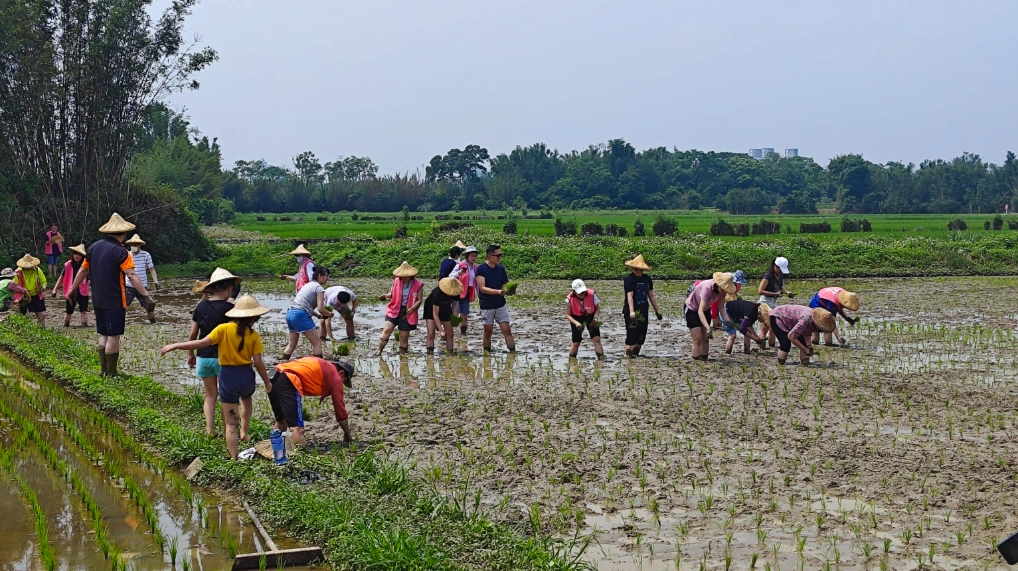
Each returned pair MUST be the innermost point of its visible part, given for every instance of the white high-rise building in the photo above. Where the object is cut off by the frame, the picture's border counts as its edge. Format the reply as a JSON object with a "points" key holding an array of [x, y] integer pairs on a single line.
{"points": [[756, 153], [789, 153]]}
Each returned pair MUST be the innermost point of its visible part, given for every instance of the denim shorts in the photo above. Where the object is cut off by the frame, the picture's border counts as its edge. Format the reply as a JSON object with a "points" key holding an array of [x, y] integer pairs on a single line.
{"points": [[235, 382], [53, 259], [206, 367], [464, 306], [298, 320]]}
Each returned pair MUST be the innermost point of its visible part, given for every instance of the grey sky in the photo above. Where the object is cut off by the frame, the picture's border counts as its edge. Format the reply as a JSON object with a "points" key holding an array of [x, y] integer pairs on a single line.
{"points": [[402, 81]]}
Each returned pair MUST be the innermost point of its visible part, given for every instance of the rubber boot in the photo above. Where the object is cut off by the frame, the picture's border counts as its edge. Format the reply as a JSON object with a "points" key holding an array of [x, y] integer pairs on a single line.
{"points": [[102, 361], [463, 330], [111, 364]]}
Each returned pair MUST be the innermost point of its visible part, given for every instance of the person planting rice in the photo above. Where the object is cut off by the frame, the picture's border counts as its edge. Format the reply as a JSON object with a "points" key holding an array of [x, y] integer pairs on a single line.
{"points": [[239, 347], [794, 325], [142, 267], [63, 287], [438, 311], [33, 281], [309, 377], [744, 314], [209, 314], [491, 279], [739, 277], [107, 263], [343, 301], [450, 263], [582, 309], [772, 286], [465, 272], [8, 288], [697, 310], [835, 300], [309, 302], [639, 296], [306, 272], [404, 301]]}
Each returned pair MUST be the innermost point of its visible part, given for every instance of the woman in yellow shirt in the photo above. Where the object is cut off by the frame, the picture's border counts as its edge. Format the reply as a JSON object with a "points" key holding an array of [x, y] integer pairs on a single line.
{"points": [[240, 346]]}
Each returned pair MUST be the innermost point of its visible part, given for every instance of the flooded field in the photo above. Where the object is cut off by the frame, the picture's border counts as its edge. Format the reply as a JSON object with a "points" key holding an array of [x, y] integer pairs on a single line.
{"points": [[895, 453]]}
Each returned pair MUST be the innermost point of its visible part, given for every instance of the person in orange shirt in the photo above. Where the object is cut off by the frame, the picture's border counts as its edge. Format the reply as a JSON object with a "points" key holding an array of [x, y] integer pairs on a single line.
{"points": [[309, 376]]}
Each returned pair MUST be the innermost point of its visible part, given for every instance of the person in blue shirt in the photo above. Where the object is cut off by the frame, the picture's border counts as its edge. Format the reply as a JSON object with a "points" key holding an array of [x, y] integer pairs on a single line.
{"points": [[450, 263], [491, 280]]}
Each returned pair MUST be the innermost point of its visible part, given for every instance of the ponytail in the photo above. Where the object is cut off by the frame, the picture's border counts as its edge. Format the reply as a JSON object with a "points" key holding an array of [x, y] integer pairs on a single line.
{"points": [[243, 326]]}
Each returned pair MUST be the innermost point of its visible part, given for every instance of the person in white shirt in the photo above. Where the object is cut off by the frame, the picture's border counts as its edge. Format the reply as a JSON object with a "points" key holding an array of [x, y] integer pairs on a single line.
{"points": [[343, 301], [143, 266]]}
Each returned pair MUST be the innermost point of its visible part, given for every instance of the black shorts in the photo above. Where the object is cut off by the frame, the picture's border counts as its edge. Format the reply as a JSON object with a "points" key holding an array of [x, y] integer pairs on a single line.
{"points": [[590, 323], [636, 330], [35, 304], [444, 312], [81, 303], [784, 343], [286, 401], [693, 318], [110, 322], [400, 321]]}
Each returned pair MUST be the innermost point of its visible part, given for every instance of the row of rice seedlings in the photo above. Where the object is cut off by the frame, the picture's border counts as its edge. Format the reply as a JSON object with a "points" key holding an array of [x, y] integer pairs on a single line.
{"points": [[46, 553]]}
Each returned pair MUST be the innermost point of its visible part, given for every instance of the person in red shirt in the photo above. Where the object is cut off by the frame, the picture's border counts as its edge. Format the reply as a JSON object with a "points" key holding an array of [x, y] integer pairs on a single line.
{"points": [[309, 376]]}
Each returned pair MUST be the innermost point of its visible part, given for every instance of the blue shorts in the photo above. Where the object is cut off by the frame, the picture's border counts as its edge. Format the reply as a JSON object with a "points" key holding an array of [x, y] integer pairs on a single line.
{"points": [[464, 306], [298, 320], [824, 303], [207, 367], [53, 259], [235, 382]]}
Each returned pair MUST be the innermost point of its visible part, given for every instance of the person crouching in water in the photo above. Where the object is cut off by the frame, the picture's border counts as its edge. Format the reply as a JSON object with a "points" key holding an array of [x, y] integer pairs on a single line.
{"points": [[240, 348], [744, 315], [794, 325], [698, 304], [63, 287], [835, 300], [438, 311], [309, 377], [582, 309]]}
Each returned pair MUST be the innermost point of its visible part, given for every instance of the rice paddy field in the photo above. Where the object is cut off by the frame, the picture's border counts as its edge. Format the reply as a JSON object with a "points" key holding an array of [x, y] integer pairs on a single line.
{"points": [[897, 452]]}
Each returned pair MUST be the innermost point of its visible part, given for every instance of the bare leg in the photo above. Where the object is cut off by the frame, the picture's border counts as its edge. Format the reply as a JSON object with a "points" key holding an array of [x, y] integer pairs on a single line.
{"points": [[782, 357], [245, 417], [730, 343], [84, 319], [316, 342], [486, 340], [429, 342], [447, 332], [598, 350], [463, 324], [232, 420], [697, 334], [209, 407], [41, 316], [574, 349], [404, 341], [386, 332], [349, 327], [291, 345], [67, 320], [507, 332]]}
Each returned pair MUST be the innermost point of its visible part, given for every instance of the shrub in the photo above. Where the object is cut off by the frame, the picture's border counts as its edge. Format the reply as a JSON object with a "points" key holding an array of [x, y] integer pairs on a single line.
{"points": [[614, 230], [1012, 224], [958, 225], [721, 228], [664, 226], [592, 229], [509, 228], [323, 218], [817, 228], [865, 225], [849, 225], [766, 227], [260, 218], [354, 216], [285, 218], [622, 231], [986, 225], [545, 215], [998, 222], [638, 229], [565, 228], [453, 226], [400, 232]]}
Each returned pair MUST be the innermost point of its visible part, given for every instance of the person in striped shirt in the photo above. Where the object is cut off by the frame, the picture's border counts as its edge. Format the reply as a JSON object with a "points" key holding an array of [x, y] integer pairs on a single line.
{"points": [[143, 266]]}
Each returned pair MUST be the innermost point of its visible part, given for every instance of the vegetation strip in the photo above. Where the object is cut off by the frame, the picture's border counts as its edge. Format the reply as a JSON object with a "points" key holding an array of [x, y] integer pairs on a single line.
{"points": [[366, 511]]}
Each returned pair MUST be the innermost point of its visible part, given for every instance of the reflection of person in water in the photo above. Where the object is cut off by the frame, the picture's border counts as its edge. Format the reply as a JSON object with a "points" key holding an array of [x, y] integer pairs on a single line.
{"points": [[488, 371]]}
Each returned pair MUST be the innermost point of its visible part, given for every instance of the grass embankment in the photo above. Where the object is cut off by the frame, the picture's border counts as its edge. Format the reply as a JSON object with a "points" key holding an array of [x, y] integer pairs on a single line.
{"points": [[367, 512], [679, 257]]}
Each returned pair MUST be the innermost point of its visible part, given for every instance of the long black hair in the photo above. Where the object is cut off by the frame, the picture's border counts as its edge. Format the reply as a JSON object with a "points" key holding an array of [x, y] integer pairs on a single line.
{"points": [[243, 326]]}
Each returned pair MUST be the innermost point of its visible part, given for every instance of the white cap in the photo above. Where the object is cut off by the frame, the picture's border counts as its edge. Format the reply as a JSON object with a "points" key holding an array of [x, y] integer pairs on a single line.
{"points": [[782, 264], [579, 286]]}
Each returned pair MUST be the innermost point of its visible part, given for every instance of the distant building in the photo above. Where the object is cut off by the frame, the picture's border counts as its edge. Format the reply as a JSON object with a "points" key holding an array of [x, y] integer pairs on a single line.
{"points": [[789, 153], [766, 151], [756, 153]]}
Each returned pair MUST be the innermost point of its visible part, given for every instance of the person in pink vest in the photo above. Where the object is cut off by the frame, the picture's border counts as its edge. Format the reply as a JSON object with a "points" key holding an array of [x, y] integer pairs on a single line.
{"points": [[63, 287], [697, 310], [582, 309], [835, 300], [794, 325], [404, 301], [307, 268], [54, 247], [465, 272]]}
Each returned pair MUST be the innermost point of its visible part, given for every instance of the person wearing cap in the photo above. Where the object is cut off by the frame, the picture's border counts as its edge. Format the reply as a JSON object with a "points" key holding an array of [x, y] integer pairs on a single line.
{"points": [[307, 268], [239, 347], [342, 300], [639, 297], [309, 377], [772, 286], [794, 325], [143, 266], [8, 288], [697, 311], [438, 311], [209, 314], [404, 300], [63, 287], [491, 279], [107, 263], [835, 300], [307, 304], [53, 247], [743, 315], [466, 273], [582, 309], [450, 263], [33, 282]]}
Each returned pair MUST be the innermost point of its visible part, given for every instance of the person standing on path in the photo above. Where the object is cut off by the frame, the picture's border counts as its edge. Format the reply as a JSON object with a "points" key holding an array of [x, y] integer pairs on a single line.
{"points": [[491, 279], [794, 325], [33, 281], [308, 303], [466, 273], [307, 268], [309, 377], [639, 297], [404, 301], [697, 311], [107, 263], [143, 266], [772, 286], [53, 248], [450, 263], [835, 300], [9, 288], [209, 314], [63, 287], [341, 300], [582, 309]]}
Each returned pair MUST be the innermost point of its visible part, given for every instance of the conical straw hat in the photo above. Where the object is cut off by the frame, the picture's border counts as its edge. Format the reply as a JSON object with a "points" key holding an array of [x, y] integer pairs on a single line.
{"points": [[405, 270], [199, 287], [79, 249], [135, 241], [764, 313], [300, 251], [848, 300], [823, 320], [638, 263], [247, 306], [724, 281], [116, 225], [459, 244], [28, 261], [221, 275], [450, 286]]}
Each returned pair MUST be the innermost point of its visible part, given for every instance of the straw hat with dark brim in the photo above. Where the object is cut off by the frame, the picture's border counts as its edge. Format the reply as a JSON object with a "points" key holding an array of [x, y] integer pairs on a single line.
{"points": [[405, 270], [459, 244], [116, 225], [764, 312], [823, 319], [199, 287], [450, 286], [79, 249], [724, 281], [300, 251], [221, 275], [638, 263], [7, 273], [28, 261], [848, 300], [135, 241], [247, 306]]}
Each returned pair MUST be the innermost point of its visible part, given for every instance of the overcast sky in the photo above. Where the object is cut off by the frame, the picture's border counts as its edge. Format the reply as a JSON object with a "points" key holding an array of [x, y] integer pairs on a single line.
{"points": [[403, 81]]}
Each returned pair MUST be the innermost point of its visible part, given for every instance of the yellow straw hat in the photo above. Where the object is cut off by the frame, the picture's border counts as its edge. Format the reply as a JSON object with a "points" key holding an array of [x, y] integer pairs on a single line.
{"points": [[116, 225], [79, 249], [725, 282], [135, 241], [199, 287], [405, 270], [459, 244], [221, 275], [848, 300], [450, 286], [300, 251], [247, 306], [28, 261], [638, 263], [823, 319], [764, 312]]}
